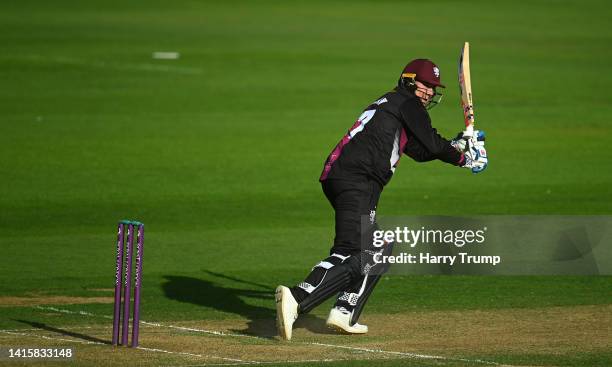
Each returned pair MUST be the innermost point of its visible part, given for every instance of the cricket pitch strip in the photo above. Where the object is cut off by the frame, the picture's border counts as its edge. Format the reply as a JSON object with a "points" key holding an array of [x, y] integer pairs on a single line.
{"points": [[432, 338]]}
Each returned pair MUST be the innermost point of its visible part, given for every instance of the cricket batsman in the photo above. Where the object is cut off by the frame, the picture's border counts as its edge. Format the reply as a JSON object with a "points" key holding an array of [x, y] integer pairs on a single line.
{"points": [[353, 178]]}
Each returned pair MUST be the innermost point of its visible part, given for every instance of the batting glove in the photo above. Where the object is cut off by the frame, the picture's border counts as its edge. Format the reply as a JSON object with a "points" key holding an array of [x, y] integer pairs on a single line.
{"points": [[475, 153], [460, 141]]}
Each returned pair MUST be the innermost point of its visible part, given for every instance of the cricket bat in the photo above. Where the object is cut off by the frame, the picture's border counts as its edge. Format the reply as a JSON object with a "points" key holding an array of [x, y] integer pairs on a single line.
{"points": [[465, 87]]}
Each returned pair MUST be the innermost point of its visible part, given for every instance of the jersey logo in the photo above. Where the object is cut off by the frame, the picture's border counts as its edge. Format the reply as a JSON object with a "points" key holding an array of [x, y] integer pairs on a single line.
{"points": [[380, 101], [358, 127]]}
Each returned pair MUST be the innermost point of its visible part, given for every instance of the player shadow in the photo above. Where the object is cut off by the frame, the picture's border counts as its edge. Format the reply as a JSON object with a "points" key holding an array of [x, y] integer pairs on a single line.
{"points": [[42, 326], [208, 293]]}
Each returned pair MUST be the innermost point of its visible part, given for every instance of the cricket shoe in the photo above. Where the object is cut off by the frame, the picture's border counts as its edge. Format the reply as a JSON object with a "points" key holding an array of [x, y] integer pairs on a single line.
{"points": [[286, 311], [340, 319]]}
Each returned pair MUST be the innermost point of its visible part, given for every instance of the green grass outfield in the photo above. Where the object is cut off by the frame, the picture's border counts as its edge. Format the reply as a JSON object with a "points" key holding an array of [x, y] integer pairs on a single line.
{"points": [[219, 153]]}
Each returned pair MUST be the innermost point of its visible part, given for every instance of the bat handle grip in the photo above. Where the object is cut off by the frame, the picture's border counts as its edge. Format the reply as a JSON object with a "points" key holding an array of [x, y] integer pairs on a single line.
{"points": [[469, 130]]}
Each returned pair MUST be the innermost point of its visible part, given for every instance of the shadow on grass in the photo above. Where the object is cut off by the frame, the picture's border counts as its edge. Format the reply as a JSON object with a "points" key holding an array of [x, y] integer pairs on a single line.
{"points": [[42, 326], [207, 293]]}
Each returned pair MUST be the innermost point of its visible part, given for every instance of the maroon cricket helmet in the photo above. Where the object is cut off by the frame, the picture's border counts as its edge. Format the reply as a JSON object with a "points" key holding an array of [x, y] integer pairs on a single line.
{"points": [[423, 70]]}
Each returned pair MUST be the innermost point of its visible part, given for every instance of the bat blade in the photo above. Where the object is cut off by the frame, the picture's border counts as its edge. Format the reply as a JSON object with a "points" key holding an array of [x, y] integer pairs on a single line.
{"points": [[465, 86]]}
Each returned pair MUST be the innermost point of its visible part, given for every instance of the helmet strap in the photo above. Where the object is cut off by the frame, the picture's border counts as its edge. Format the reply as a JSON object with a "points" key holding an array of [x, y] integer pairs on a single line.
{"points": [[409, 82]]}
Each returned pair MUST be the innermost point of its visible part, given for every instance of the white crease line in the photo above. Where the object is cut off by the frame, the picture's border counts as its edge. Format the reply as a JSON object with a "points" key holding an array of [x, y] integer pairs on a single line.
{"points": [[73, 327], [219, 333], [213, 332], [51, 338], [82, 313], [404, 354], [141, 348], [192, 354]]}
